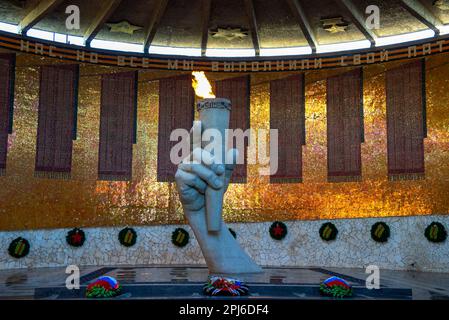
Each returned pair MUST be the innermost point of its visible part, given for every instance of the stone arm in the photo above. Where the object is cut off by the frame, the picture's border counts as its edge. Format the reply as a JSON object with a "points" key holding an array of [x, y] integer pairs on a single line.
{"points": [[223, 254]]}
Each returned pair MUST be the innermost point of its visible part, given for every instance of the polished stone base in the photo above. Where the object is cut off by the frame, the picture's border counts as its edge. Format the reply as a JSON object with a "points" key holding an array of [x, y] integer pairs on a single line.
{"points": [[185, 282]]}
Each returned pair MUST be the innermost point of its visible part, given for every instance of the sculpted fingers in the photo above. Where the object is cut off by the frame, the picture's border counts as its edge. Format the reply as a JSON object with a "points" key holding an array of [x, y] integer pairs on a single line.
{"points": [[206, 174], [205, 157], [190, 180], [190, 189]]}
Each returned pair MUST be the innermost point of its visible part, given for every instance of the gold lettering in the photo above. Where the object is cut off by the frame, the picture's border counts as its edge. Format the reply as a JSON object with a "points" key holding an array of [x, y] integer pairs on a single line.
{"points": [[229, 66], [255, 66], [267, 66], [292, 65], [24, 46], [121, 61], [187, 65], [80, 55], [426, 49], [93, 57], [280, 65], [305, 64], [172, 65], [370, 58], [39, 48], [384, 56], [440, 45], [50, 51], [242, 66], [412, 52]]}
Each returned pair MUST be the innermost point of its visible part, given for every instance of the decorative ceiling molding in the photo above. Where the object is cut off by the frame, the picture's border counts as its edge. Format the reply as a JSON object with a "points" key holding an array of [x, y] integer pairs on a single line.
{"points": [[249, 5], [112, 17], [358, 18], [304, 23], [205, 19], [150, 30], [43, 8], [421, 13], [102, 16]]}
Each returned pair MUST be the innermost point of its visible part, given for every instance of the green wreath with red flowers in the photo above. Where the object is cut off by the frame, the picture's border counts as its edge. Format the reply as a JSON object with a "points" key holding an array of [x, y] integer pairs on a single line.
{"points": [[76, 237], [278, 230]]}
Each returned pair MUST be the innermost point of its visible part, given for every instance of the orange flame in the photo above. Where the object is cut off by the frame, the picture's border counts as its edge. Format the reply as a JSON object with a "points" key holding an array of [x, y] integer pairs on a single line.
{"points": [[202, 86]]}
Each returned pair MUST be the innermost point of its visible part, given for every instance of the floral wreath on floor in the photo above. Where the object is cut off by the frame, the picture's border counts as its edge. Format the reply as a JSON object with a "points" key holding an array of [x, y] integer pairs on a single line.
{"points": [[278, 230], [19, 248], [436, 232], [336, 287], [180, 237], [220, 286], [103, 287], [380, 232], [76, 237], [328, 231], [127, 237]]}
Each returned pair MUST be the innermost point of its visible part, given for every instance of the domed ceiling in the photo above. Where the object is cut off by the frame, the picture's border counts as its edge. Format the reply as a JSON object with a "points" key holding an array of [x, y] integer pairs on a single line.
{"points": [[205, 25]]}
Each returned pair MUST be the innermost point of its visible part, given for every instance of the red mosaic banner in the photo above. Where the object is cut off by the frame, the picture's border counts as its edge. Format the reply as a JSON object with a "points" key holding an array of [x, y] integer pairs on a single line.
{"points": [[176, 111], [7, 77], [117, 126], [57, 120], [345, 126], [406, 121], [238, 91], [287, 115]]}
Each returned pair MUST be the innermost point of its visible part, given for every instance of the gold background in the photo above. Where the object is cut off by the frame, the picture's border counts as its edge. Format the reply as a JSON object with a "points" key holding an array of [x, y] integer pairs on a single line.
{"points": [[27, 202]]}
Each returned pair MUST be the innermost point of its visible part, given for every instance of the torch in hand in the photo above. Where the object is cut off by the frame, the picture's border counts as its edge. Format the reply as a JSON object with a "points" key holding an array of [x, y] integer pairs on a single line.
{"points": [[214, 116]]}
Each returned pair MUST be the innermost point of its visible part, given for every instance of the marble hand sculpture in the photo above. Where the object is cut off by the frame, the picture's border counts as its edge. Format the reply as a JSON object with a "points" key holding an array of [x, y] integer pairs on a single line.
{"points": [[202, 179]]}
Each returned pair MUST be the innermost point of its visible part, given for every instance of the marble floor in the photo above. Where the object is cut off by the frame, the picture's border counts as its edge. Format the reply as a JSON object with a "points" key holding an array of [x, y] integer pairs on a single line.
{"points": [[185, 282]]}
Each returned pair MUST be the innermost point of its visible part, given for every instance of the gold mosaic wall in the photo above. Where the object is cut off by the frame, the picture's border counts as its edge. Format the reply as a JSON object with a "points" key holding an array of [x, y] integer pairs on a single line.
{"points": [[35, 203]]}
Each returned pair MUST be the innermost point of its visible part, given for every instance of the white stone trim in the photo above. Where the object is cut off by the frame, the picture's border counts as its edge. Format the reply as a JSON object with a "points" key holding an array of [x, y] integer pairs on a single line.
{"points": [[407, 248]]}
